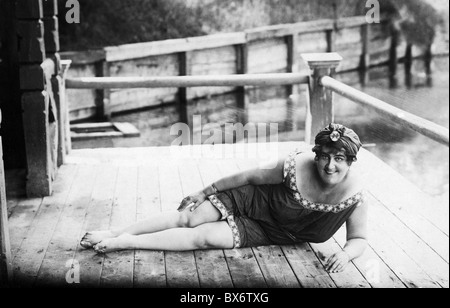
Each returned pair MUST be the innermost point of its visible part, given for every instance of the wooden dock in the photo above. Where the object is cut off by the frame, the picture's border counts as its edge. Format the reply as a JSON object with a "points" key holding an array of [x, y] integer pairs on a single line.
{"points": [[106, 188]]}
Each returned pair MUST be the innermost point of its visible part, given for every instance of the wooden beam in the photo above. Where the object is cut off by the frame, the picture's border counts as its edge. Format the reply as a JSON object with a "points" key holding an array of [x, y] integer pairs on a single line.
{"points": [[269, 32], [142, 50], [37, 142], [261, 80]]}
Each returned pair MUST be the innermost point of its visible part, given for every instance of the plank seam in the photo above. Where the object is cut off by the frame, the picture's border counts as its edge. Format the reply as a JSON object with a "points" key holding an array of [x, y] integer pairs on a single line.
{"points": [[53, 231]]}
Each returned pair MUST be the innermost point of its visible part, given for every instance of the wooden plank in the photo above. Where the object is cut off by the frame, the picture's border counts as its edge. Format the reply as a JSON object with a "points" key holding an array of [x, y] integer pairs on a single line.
{"points": [[84, 57], [20, 221], [274, 31], [243, 265], [211, 265], [418, 250], [275, 267], [351, 22], [351, 277], [141, 50], [411, 274], [118, 266], [31, 253], [67, 233], [127, 129], [371, 266], [410, 205], [98, 217], [307, 267], [149, 266], [181, 269]]}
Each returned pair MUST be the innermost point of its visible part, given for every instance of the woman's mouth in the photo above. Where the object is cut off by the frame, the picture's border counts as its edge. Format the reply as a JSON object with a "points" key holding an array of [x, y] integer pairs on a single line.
{"points": [[329, 172]]}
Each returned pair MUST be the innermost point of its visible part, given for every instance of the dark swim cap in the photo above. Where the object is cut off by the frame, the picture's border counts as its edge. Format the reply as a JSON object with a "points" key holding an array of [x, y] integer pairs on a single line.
{"points": [[339, 137]]}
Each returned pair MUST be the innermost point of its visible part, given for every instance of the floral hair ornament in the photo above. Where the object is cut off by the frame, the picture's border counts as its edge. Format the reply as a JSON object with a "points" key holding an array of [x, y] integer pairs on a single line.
{"points": [[335, 136]]}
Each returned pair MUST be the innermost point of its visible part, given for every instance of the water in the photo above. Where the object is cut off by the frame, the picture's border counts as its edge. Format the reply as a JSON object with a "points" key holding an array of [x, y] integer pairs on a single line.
{"points": [[421, 160]]}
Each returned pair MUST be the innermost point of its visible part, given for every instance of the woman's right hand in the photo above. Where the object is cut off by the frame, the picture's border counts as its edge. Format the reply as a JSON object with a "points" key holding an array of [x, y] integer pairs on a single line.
{"points": [[196, 199]]}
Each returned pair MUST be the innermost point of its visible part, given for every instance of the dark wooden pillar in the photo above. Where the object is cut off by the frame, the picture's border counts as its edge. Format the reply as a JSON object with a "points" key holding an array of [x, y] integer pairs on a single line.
{"points": [[12, 126], [40, 86], [320, 108]]}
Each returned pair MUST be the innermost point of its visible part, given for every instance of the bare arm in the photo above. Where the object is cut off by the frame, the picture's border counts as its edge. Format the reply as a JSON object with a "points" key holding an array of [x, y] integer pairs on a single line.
{"points": [[258, 176], [357, 232], [356, 240]]}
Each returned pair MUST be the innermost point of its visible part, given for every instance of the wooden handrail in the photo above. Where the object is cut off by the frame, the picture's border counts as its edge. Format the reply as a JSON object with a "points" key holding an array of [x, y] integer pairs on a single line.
{"points": [[187, 81], [418, 124]]}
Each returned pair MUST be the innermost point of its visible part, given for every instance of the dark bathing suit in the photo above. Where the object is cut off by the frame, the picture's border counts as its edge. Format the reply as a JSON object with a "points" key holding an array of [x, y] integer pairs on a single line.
{"points": [[278, 214]]}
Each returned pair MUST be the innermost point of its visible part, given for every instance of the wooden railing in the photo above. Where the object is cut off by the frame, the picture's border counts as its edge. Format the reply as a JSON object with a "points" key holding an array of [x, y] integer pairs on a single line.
{"points": [[418, 124], [270, 49], [321, 85], [258, 80]]}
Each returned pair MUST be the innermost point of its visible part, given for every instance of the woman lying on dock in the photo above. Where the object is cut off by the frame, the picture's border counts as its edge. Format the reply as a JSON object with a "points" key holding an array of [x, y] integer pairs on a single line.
{"points": [[307, 197]]}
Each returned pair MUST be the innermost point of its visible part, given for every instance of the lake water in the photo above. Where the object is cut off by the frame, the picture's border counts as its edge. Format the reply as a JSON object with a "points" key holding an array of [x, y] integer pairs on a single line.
{"points": [[421, 160]]}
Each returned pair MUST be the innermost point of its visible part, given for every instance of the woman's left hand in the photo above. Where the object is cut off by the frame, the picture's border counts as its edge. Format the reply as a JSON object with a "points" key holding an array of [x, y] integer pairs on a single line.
{"points": [[337, 262]]}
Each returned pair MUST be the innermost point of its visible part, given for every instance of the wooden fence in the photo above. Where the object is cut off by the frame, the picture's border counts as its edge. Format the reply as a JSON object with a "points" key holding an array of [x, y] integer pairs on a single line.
{"points": [[271, 49], [320, 104]]}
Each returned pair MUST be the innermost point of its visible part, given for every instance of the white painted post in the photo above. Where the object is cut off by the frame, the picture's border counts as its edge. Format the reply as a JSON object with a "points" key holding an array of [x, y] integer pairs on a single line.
{"points": [[320, 107]]}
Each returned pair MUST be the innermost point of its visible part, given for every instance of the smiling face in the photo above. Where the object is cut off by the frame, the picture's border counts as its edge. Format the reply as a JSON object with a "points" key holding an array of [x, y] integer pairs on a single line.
{"points": [[332, 165]]}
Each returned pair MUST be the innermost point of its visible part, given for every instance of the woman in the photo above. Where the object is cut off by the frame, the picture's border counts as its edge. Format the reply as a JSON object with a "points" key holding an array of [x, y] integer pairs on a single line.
{"points": [[305, 198]]}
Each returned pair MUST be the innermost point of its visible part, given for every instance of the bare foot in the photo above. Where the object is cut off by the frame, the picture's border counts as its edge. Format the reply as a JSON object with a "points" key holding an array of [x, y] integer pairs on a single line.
{"points": [[121, 242], [91, 239]]}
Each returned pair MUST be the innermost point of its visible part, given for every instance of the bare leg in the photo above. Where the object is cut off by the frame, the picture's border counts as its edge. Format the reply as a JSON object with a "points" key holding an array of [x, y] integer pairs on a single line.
{"points": [[217, 235], [163, 221]]}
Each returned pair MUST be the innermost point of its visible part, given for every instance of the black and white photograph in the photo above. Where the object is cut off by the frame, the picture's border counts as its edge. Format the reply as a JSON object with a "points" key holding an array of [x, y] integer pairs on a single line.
{"points": [[224, 151]]}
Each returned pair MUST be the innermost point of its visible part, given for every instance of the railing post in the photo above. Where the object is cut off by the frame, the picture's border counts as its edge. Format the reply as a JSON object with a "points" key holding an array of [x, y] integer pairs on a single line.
{"points": [[184, 70], [291, 44], [364, 63], [105, 104], [408, 65], [320, 108], [64, 109], [5, 245], [241, 93], [393, 57], [428, 59], [330, 37], [100, 70]]}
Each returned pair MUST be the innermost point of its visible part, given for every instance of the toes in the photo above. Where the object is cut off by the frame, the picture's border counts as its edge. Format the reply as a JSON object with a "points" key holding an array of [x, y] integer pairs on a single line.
{"points": [[100, 249], [86, 244]]}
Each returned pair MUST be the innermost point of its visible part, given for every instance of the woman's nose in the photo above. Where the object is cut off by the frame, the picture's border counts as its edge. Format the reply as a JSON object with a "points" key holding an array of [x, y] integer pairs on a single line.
{"points": [[331, 164]]}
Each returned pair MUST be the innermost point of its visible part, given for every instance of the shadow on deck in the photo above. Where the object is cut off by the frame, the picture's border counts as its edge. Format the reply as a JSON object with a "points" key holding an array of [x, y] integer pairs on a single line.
{"points": [[99, 189]]}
